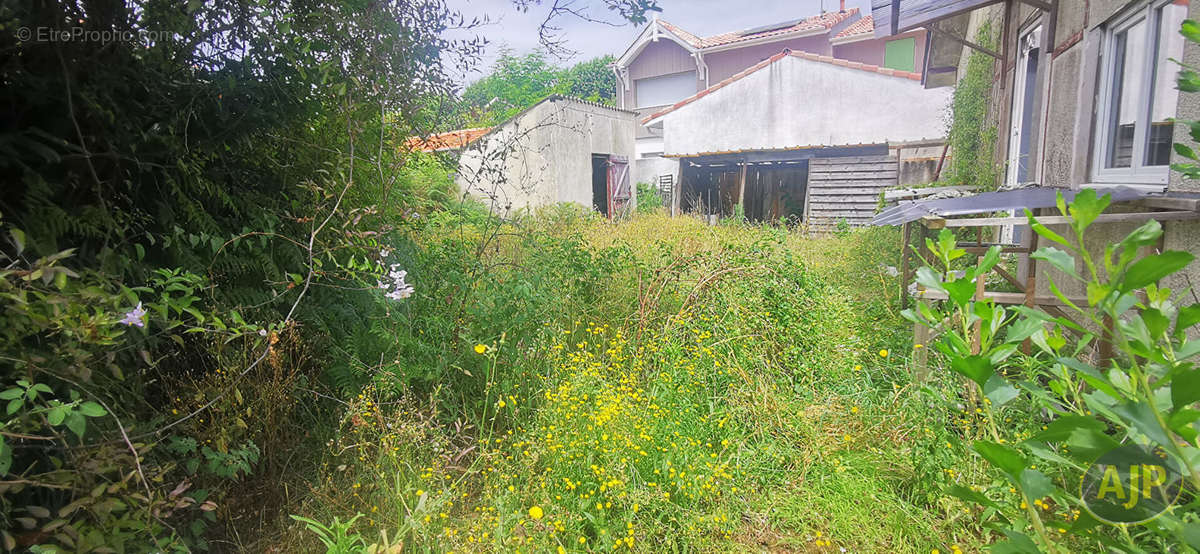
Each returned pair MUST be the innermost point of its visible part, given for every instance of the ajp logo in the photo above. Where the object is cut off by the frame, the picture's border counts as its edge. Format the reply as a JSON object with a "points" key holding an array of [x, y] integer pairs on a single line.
{"points": [[1130, 484]]}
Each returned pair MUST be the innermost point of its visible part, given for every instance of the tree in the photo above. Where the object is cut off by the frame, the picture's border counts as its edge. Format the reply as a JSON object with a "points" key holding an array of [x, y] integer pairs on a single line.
{"points": [[593, 80], [518, 82]]}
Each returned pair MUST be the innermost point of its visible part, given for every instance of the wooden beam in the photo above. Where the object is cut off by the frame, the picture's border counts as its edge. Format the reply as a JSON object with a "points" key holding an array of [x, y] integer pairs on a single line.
{"points": [[1044, 6], [1058, 219], [1011, 298], [933, 27], [741, 199], [933, 223], [1174, 203], [905, 241]]}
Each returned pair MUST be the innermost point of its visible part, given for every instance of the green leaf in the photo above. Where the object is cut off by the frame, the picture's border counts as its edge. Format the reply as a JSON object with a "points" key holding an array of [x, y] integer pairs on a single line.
{"points": [[1152, 268], [975, 367], [18, 239], [1190, 30], [1188, 81], [5, 456], [961, 291], [1002, 457], [11, 393], [92, 409], [77, 424], [1035, 484], [14, 405], [999, 391], [1188, 316], [1017, 543], [1139, 416], [56, 415], [1057, 258], [1062, 428], [969, 495], [1086, 207]]}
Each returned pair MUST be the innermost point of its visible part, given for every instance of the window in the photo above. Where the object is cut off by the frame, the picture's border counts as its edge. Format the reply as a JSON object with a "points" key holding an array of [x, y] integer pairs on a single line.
{"points": [[1138, 95], [901, 54], [1020, 137], [665, 89]]}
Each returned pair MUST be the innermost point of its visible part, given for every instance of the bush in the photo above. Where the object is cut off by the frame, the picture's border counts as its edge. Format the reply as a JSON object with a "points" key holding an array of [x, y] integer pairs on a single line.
{"points": [[648, 198]]}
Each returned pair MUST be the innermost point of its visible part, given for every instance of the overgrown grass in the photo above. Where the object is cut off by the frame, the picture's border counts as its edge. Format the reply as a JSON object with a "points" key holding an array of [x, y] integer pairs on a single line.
{"points": [[685, 387]]}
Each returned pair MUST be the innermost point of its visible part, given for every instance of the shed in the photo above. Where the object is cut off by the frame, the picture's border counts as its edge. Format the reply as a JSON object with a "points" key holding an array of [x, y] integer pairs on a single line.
{"points": [[561, 149], [799, 136]]}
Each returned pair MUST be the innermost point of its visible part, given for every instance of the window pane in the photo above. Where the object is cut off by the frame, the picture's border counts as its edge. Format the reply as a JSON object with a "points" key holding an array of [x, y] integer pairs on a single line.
{"points": [[1129, 55], [1164, 95]]}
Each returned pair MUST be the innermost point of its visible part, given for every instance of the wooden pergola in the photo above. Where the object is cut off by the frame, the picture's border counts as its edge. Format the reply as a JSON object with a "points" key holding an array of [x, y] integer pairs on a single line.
{"points": [[924, 222]]}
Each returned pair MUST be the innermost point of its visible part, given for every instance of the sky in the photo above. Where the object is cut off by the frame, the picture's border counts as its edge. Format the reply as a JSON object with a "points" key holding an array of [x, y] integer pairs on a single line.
{"points": [[509, 28]]}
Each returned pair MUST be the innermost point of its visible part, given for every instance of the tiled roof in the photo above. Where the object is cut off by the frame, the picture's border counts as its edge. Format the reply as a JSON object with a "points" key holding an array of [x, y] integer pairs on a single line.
{"points": [[805, 55], [449, 140], [864, 26], [824, 21]]}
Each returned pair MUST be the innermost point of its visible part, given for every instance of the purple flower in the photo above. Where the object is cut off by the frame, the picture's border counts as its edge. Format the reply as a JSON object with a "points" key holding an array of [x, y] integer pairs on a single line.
{"points": [[134, 317], [395, 286]]}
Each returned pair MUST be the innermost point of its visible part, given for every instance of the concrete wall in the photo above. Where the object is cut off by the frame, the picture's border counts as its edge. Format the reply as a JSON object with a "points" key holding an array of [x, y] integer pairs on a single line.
{"points": [[799, 102], [649, 169], [544, 155]]}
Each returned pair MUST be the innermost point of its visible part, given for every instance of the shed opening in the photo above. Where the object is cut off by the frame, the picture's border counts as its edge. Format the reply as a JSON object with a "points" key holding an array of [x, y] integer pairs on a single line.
{"points": [[600, 183]]}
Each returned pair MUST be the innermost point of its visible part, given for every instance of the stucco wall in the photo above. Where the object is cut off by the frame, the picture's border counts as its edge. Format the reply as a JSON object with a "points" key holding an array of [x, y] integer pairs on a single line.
{"points": [[799, 102], [722, 65], [544, 155], [871, 51], [1066, 133]]}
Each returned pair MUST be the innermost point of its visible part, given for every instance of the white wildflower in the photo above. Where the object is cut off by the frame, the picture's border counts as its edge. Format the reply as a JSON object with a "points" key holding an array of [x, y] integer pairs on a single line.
{"points": [[135, 317]]}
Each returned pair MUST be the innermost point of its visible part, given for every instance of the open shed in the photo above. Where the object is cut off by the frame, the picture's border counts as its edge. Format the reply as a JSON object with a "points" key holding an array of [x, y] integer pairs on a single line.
{"points": [[798, 137]]}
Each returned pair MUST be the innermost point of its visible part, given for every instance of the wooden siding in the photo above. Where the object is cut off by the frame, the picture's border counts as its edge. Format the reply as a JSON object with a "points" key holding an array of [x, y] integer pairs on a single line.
{"points": [[661, 57], [846, 188]]}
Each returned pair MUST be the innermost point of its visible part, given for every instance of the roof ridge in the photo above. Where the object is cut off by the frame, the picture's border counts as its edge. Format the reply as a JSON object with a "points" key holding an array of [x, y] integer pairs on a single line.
{"points": [[825, 20], [871, 68]]}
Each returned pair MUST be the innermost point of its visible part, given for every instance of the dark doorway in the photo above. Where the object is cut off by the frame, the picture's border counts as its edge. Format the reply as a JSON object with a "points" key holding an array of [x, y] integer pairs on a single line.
{"points": [[600, 183]]}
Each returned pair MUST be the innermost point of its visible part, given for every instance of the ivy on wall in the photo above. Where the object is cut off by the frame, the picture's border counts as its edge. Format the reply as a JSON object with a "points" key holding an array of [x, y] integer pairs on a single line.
{"points": [[972, 136]]}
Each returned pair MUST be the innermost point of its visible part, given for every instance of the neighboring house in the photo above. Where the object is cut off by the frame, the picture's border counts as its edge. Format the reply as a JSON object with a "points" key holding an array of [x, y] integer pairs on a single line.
{"points": [[797, 136], [1084, 97], [561, 149], [666, 64]]}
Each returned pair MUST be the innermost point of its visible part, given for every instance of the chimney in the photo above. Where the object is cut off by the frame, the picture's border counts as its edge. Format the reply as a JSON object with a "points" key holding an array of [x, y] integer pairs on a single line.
{"points": [[843, 10]]}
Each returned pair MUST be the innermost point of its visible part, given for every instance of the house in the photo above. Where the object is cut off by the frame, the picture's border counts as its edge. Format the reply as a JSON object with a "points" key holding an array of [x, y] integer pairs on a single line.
{"points": [[561, 149], [798, 136], [666, 64], [1083, 96]]}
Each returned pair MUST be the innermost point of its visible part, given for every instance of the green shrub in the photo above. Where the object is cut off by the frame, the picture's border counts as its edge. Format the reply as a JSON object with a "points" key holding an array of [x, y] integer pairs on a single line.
{"points": [[648, 198]]}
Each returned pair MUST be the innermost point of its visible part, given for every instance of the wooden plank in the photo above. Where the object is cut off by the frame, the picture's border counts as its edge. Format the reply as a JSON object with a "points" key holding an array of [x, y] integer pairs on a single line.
{"points": [[852, 191], [1058, 219], [1011, 298], [850, 159], [1171, 203]]}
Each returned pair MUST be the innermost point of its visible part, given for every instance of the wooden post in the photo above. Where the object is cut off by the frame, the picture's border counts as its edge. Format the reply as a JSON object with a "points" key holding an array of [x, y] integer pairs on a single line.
{"points": [[741, 198], [920, 355], [905, 241], [1030, 278]]}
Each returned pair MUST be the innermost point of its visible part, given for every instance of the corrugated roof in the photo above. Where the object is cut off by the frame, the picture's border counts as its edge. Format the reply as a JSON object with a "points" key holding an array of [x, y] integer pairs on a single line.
{"points": [[817, 22], [989, 202], [450, 140], [803, 55]]}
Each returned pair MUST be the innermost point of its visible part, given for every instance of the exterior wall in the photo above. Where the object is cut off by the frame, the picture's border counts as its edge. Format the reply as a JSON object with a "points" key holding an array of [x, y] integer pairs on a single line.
{"points": [[723, 65], [871, 50], [649, 169], [1064, 149], [544, 155], [661, 57], [797, 102]]}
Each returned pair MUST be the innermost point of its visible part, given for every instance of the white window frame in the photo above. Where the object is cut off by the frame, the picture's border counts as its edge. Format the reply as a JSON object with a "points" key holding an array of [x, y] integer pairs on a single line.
{"points": [[1031, 34], [1136, 173]]}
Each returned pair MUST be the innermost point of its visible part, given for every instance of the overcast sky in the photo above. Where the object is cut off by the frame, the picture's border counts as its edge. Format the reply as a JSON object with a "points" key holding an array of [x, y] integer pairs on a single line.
{"points": [[518, 31]]}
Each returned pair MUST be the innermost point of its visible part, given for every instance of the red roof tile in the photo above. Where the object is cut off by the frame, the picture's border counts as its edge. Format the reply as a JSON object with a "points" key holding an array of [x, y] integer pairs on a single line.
{"points": [[864, 26], [449, 140], [799, 54], [824, 21]]}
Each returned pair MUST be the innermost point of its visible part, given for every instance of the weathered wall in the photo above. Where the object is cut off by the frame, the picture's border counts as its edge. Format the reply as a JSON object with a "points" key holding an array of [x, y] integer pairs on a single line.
{"points": [[871, 51], [722, 65], [1066, 132], [846, 189], [648, 169], [800, 102], [544, 155]]}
